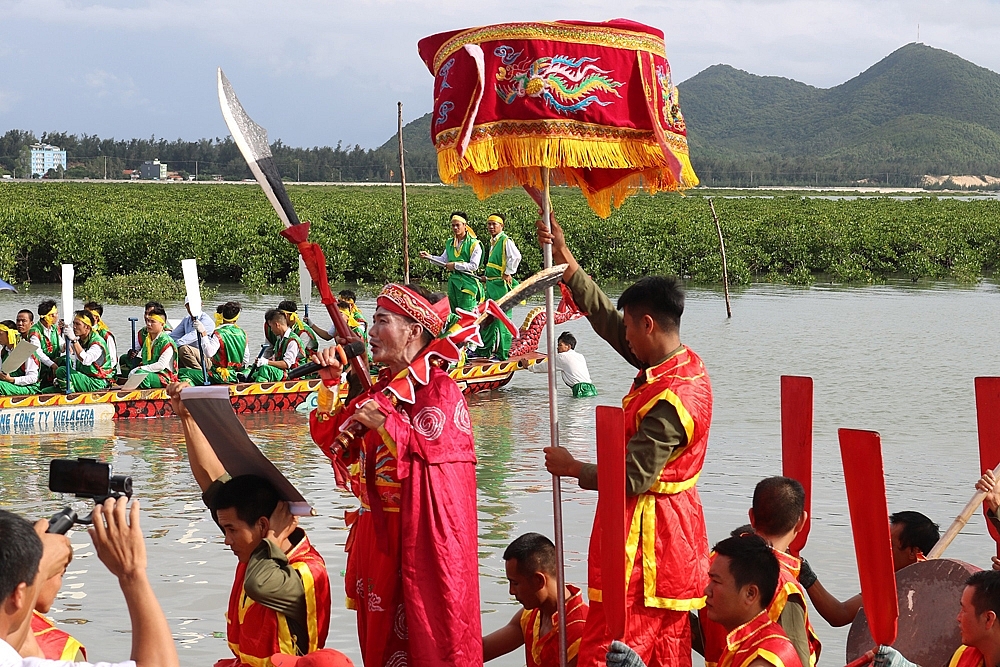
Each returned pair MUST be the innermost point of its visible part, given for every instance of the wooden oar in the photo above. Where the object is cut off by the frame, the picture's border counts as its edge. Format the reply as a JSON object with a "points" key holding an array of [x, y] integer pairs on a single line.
{"points": [[861, 452], [611, 515], [67, 311], [988, 417], [797, 442]]}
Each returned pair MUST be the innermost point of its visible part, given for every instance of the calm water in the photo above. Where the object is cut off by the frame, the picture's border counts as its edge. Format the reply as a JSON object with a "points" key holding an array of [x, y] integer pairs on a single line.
{"points": [[896, 359]]}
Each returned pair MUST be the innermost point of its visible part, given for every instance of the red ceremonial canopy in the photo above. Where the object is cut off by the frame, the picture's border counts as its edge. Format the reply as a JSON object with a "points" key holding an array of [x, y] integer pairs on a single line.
{"points": [[592, 102]]}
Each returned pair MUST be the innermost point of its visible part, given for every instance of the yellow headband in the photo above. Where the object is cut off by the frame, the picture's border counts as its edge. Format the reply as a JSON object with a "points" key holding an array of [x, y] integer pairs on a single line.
{"points": [[52, 311], [290, 316], [220, 320], [9, 336], [459, 218], [495, 218], [86, 319], [156, 318]]}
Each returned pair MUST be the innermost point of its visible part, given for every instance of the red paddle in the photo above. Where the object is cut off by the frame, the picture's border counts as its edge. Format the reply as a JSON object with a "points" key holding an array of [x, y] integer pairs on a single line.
{"points": [[861, 452], [797, 442], [611, 515], [988, 418]]}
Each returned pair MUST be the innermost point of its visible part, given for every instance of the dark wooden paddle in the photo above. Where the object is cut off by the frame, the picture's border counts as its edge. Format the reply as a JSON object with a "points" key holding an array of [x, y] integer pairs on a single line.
{"points": [[797, 442], [988, 419], [861, 452], [611, 515]]}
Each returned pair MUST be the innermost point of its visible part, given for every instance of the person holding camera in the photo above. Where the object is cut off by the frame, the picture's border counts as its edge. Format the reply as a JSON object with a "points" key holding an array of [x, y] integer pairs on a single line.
{"points": [[29, 557]]}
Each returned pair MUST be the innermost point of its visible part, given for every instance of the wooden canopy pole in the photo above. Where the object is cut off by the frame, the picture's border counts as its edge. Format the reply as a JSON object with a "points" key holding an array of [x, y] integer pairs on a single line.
{"points": [[402, 181]]}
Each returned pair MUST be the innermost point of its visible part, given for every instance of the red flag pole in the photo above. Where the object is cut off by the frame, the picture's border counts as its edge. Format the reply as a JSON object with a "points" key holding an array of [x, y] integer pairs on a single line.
{"points": [[988, 421], [611, 515]]}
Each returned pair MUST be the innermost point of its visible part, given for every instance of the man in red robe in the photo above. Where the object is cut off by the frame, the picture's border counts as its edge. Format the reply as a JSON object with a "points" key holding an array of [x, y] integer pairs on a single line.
{"points": [[412, 564], [667, 417]]}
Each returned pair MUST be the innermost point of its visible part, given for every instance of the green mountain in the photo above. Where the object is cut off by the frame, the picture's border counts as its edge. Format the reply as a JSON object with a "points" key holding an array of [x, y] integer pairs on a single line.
{"points": [[919, 110]]}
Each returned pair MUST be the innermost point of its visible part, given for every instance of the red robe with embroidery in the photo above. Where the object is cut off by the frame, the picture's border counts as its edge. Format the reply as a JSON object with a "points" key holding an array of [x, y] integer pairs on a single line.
{"points": [[432, 444]]}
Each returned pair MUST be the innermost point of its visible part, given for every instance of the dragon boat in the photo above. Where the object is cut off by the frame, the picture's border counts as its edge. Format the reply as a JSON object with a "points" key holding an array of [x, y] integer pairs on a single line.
{"points": [[83, 411]]}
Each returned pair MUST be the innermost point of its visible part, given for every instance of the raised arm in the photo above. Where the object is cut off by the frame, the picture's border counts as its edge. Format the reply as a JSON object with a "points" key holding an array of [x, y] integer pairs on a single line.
{"points": [[205, 465]]}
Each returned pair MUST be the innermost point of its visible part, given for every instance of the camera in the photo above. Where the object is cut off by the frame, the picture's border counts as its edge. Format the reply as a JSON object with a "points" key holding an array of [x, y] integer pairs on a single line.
{"points": [[85, 478]]}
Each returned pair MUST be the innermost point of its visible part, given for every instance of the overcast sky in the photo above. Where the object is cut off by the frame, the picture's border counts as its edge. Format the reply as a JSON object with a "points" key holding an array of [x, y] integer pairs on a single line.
{"points": [[315, 72]]}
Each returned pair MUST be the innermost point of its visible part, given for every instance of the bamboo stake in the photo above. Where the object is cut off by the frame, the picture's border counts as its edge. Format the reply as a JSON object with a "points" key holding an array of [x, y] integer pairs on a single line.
{"points": [[402, 181], [722, 249], [550, 337]]}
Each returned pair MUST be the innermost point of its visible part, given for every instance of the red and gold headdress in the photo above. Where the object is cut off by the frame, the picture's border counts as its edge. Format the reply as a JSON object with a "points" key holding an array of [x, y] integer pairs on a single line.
{"points": [[402, 300], [447, 341]]}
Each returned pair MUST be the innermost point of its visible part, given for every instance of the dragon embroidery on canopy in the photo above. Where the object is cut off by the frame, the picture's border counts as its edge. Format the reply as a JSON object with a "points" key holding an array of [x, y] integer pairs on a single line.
{"points": [[564, 84]]}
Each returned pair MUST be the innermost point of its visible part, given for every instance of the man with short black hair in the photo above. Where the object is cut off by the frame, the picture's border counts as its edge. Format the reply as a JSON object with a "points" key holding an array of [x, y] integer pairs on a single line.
{"points": [[92, 365], [913, 535], [461, 257], [530, 563], [502, 260], [158, 354], [101, 328], [25, 379], [29, 556], [287, 349], [978, 621], [572, 365], [46, 334], [280, 600], [226, 347], [777, 516], [668, 413], [302, 329]]}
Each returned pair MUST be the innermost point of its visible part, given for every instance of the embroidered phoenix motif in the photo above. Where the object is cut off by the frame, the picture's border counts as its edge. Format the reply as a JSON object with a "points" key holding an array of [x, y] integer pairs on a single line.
{"points": [[564, 84]]}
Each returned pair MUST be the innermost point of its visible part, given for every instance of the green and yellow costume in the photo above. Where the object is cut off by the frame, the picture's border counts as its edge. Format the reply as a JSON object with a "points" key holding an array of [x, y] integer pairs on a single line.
{"points": [[496, 338], [128, 361], [299, 328], [49, 345], [88, 377], [11, 337], [464, 290], [227, 362], [151, 351], [273, 373]]}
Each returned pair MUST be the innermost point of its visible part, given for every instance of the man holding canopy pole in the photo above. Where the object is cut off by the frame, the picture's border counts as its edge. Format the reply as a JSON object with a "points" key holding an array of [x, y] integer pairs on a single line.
{"points": [[667, 418]]}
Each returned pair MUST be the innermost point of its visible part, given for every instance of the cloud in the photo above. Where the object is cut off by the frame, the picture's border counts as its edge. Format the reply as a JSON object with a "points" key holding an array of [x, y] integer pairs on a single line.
{"points": [[318, 71]]}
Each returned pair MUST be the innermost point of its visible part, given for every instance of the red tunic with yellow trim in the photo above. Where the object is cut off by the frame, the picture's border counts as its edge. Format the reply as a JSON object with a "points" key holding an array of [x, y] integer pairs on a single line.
{"points": [[256, 632], [967, 656], [788, 585], [668, 518], [544, 651], [55, 644], [435, 555], [759, 638]]}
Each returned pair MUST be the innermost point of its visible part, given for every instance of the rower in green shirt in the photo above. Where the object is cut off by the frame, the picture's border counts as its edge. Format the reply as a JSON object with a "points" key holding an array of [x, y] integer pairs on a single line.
{"points": [[24, 380], [45, 333], [461, 256], [286, 353], [92, 367], [133, 358], [501, 265], [227, 347], [301, 329], [158, 361]]}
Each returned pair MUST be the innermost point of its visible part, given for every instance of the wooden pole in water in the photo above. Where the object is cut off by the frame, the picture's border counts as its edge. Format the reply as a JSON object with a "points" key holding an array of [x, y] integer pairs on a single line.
{"points": [[402, 181], [722, 249]]}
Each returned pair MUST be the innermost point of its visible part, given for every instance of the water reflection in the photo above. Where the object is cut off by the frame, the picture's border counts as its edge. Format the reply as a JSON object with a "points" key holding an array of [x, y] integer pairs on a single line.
{"points": [[899, 359]]}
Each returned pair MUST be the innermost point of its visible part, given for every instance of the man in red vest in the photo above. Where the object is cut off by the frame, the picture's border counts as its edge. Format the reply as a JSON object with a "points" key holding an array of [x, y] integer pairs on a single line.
{"points": [[280, 600], [978, 620], [667, 418], [777, 516]]}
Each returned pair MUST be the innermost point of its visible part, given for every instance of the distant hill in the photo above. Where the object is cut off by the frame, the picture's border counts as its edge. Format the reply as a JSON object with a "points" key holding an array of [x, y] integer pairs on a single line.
{"points": [[919, 110]]}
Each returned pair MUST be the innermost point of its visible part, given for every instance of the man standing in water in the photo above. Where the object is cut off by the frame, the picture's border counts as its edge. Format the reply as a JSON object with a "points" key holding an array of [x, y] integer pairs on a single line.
{"points": [[412, 563], [667, 417], [461, 256]]}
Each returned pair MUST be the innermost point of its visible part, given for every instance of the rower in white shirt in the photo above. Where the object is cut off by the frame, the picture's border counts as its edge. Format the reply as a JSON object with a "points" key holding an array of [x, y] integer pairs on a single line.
{"points": [[572, 365]]}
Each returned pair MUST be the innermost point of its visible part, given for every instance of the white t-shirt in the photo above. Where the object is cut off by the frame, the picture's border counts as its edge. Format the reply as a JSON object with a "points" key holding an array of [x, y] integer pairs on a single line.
{"points": [[571, 364], [10, 658]]}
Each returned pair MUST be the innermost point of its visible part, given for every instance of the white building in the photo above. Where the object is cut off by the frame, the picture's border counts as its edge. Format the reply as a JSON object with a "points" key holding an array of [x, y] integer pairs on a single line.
{"points": [[153, 170], [45, 157]]}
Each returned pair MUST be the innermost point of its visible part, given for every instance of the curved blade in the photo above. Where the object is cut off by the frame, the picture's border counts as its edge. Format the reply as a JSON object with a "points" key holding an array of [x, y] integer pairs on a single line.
{"points": [[535, 284], [251, 139], [305, 283]]}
